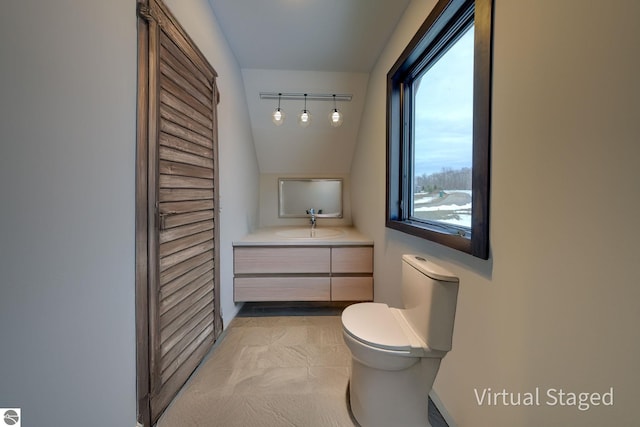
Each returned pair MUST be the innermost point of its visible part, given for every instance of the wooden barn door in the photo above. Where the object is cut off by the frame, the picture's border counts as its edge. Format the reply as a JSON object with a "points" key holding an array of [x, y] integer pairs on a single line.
{"points": [[181, 206]]}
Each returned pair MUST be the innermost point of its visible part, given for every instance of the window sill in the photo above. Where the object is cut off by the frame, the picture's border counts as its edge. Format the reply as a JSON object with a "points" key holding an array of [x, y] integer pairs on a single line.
{"points": [[449, 239]]}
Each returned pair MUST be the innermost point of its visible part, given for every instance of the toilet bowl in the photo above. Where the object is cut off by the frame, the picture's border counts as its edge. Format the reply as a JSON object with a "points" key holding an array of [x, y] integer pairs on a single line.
{"points": [[396, 353]]}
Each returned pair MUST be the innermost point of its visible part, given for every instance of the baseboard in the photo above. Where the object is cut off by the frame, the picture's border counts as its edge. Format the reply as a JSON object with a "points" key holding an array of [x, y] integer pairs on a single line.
{"points": [[443, 410]]}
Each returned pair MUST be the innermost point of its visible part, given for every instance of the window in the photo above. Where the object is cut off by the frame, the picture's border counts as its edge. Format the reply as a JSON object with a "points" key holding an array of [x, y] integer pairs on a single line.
{"points": [[438, 129]]}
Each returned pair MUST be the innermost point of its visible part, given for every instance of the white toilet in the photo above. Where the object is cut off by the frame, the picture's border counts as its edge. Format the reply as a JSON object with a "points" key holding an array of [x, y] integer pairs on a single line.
{"points": [[397, 352]]}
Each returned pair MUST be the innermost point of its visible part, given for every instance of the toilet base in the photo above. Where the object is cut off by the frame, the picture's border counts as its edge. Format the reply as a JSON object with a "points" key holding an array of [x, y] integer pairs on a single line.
{"points": [[381, 398]]}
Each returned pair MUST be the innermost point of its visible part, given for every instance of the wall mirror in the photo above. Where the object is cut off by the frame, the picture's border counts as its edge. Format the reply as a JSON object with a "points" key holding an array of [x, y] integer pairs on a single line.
{"points": [[297, 195]]}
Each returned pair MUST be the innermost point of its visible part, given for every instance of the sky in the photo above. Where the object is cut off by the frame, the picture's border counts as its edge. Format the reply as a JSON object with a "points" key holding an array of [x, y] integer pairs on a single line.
{"points": [[444, 111]]}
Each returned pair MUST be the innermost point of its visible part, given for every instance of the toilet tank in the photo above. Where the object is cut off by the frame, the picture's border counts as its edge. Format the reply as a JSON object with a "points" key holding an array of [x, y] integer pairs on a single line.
{"points": [[429, 294]]}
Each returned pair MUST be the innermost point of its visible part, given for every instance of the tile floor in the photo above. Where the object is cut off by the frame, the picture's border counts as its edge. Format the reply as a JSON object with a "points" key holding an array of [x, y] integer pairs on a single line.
{"points": [[270, 369]]}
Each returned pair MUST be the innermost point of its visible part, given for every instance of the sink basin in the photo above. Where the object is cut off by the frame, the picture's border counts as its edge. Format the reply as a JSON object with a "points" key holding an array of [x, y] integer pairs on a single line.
{"points": [[308, 233]]}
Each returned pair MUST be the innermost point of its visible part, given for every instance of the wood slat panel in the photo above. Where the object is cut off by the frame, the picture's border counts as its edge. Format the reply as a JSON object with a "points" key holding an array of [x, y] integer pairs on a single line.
{"points": [[184, 255], [171, 181], [175, 83], [176, 170], [185, 194], [179, 67], [182, 369], [167, 44], [177, 104], [183, 268], [186, 134], [175, 208], [186, 319], [175, 116], [170, 307], [174, 32], [169, 86], [174, 155], [174, 246], [193, 83], [176, 343], [204, 340], [185, 230], [186, 305], [180, 282], [174, 71], [176, 143], [188, 218]]}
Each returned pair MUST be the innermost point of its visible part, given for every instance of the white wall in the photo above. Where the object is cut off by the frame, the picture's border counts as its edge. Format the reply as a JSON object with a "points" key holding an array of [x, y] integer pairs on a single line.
{"points": [[239, 178], [67, 167], [67, 162], [556, 305]]}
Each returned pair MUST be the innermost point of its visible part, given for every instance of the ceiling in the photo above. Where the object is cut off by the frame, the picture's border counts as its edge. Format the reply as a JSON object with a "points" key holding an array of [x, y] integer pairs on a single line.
{"points": [[311, 35], [306, 46]]}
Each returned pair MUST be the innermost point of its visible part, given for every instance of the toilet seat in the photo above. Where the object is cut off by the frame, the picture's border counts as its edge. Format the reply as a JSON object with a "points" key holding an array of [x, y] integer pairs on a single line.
{"points": [[381, 327]]}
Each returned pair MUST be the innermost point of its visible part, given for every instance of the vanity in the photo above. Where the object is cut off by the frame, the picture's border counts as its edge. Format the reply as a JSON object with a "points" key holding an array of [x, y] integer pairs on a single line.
{"points": [[303, 264]]}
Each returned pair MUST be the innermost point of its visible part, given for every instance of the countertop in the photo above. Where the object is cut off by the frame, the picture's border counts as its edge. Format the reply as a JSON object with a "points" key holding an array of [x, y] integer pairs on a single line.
{"points": [[324, 236]]}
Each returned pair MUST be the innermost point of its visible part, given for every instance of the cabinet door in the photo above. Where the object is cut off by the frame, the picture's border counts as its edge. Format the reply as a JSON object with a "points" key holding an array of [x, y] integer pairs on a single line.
{"points": [[352, 289], [352, 260], [282, 289], [268, 260]]}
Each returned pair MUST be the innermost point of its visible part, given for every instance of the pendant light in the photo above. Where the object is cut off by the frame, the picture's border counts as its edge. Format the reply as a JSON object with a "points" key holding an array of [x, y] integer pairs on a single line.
{"points": [[278, 115], [335, 116], [305, 117]]}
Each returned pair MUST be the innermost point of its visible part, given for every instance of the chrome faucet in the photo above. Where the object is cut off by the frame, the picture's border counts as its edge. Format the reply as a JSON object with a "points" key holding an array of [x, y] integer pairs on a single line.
{"points": [[312, 212]]}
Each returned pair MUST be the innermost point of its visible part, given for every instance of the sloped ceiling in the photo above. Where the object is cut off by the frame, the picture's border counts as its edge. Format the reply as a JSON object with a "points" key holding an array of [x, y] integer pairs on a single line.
{"points": [[306, 46]]}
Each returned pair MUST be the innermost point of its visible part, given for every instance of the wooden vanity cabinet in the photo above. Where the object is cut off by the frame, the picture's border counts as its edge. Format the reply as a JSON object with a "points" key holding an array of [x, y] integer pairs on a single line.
{"points": [[349, 259], [303, 273], [352, 273], [281, 288], [279, 259]]}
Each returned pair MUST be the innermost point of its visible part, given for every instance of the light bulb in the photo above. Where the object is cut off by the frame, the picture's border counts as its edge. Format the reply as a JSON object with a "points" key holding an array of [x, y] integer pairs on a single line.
{"points": [[335, 118], [278, 117], [305, 118]]}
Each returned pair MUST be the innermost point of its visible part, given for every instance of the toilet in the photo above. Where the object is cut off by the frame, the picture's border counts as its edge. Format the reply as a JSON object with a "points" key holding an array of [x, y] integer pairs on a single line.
{"points": [[396, 352]]}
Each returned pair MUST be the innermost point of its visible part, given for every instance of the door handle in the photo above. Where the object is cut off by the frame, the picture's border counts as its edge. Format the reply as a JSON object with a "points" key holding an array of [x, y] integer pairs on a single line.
{"points": [[161, 221]]}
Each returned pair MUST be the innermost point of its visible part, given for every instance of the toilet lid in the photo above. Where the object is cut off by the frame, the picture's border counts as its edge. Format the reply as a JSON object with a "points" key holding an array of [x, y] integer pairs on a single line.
{"points": [[375, 324]]}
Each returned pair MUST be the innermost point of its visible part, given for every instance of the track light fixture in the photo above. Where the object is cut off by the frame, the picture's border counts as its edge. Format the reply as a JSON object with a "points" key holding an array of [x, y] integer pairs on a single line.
{"points": [[278, 115], [336, 116]]}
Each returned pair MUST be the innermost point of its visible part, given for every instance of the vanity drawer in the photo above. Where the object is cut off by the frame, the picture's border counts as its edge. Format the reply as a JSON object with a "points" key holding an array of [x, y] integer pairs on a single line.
{"points": [[269, 260], [352, 289], [352, 259], [282, 289]]}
